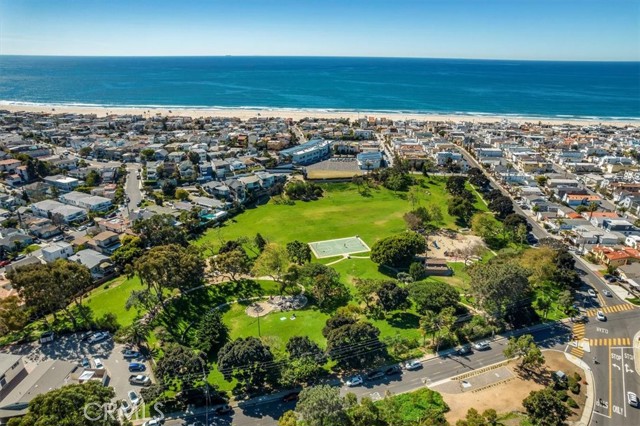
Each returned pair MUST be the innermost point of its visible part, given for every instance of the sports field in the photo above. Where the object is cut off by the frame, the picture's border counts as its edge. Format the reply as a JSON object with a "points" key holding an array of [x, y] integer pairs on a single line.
{"points": [[338, 247]]}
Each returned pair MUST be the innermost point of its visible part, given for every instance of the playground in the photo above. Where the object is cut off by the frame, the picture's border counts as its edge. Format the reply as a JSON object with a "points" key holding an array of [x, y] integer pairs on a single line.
{"points": [[338, 247]]}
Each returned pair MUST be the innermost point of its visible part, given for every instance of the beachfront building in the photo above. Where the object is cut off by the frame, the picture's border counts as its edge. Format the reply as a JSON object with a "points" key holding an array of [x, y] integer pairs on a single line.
{"points": [[308, 153]]}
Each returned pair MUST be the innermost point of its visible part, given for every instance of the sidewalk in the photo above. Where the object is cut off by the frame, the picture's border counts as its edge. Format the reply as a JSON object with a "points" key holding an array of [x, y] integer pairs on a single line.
{"points": [[587, 412]]}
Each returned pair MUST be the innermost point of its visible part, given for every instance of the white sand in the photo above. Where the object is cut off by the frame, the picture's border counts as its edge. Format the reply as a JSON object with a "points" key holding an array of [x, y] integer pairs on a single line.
{"points": [[245, 114]]}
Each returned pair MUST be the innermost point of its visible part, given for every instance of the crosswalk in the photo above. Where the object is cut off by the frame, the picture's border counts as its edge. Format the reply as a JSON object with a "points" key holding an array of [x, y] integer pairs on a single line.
{"points": [[611, 341], [610, 309], [575, 351], [578, 334]]}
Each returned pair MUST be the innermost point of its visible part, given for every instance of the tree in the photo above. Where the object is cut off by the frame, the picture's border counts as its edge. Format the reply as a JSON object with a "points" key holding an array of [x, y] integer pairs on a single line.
{"points": [[323, 283], [234, 263], [366, 414], [565, 300], [366, 289], [300, 371], [272, 262], [543, 303], [169, 188], [456, 185], [93, 178], [288, 418], [441, 323], [50, 287], [159, 230], [417, 271], [433, 296], [525, 349], [502, 206], [13, 315], [166, 268], [66, 406], [135, 334], [249, 361], [397, 250], [85, 151], [298, 252], [211, 333], [130, 249], [302, 346], [485, 226], [421, 407], [181, 194], [148, 154], [321, 406], [477, 177], [545, 408], [541, 180], [512, 221], [392, 297], [180, 365], [500, 286], [473, 418], [540, 263], [461, 208], [353, 344], [413, 221], [194, 157]]}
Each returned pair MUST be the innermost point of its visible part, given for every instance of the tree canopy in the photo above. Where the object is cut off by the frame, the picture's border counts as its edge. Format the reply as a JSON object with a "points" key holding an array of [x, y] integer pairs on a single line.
{"points": [[433, 296], [397, 250], [525, 350], [322, 406], [546, 408], [249, 361], [160, 230]]}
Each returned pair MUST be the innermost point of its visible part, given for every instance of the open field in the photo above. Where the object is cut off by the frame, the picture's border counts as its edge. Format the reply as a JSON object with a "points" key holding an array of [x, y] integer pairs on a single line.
{"points": [[343, 211]]}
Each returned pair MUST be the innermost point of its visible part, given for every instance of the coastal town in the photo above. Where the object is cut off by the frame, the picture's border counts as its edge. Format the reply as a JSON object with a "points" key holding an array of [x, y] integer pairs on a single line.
{"points": [[85, 189]]}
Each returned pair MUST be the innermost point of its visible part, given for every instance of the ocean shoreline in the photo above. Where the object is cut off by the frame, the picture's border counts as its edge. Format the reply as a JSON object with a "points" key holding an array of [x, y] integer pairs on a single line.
{"points": [[245, 113]]}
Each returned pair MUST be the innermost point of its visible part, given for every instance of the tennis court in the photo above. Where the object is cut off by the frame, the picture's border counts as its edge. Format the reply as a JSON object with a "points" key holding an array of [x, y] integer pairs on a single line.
{"points": [[339, 247]]}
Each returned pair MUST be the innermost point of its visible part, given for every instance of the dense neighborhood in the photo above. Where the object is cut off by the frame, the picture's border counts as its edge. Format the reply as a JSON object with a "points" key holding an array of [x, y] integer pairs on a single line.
{"points": [[186, 233]]}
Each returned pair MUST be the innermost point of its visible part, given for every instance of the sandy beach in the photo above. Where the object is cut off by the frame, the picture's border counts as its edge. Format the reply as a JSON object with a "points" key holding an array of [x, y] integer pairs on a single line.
{"points": [[245, 113]]}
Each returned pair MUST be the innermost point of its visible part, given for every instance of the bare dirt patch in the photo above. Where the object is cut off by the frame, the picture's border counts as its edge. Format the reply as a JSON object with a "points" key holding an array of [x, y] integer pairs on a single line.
{"points": [[451, 245], [507, 396]]}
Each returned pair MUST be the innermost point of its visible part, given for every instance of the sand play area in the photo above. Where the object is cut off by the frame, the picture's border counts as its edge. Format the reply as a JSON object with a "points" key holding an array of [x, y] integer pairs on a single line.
{"points": [[454, 246]]}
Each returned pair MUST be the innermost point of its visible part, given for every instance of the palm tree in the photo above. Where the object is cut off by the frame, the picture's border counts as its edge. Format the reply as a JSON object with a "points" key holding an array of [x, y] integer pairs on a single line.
{"points": [[592, 207], [428, 323], [136, 334]]}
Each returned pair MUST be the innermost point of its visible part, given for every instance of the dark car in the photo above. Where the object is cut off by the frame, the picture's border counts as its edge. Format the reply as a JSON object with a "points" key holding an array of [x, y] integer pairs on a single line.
{"points": [[373, 375], [610, 278], [225, 409], [464, 350], [129, 354], [293, 396], [137, 366], [395, 369]]}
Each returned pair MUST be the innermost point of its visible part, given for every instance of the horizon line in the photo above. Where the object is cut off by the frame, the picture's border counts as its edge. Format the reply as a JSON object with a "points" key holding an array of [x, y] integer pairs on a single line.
{"points": [[633, 61]]}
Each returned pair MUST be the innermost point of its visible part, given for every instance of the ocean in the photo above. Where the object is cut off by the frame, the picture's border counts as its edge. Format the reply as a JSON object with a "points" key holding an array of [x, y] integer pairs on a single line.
{"points": [[601, 90]]}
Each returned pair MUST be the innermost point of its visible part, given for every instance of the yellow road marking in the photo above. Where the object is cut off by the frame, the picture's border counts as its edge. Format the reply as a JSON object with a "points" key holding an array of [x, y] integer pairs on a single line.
{"points": [[610, 381]]}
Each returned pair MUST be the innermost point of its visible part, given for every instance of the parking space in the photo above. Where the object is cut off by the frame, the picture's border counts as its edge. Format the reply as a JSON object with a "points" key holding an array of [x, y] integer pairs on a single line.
{"points": [[74, 348]]}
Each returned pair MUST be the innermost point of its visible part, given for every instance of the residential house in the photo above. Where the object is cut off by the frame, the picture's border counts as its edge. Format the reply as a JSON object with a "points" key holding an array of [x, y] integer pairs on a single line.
{"points": [[105, 242], [575, 200], [616, 256], [62, 183], [622, 226], [58, 250], [98, 264], [631, 274], [89, 202], [12, 371]]}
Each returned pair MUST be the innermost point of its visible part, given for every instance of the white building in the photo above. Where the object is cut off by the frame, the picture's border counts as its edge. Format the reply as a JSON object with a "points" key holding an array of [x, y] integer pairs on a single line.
{"points": [[89, 202], [63, 183], [59, 250]]}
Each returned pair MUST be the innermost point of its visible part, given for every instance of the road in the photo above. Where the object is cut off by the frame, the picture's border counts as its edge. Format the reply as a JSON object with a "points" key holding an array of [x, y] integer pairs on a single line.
{"points": [[132, 187], [433, 371], [610, 354]]}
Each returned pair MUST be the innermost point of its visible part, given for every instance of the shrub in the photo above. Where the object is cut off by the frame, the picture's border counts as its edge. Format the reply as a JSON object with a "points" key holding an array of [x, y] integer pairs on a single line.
{"points": [[563, 395], [571, 403]]}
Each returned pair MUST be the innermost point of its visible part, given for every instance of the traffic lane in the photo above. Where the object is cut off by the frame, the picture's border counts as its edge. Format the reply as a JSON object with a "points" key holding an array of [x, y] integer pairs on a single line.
{"points": [[132, 189], [621, 373], [632, 383], [261, 415]]}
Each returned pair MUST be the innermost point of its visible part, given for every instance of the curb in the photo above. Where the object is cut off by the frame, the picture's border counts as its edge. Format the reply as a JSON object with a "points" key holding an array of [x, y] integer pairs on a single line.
{"points": [[636, 351], [587, 412]]}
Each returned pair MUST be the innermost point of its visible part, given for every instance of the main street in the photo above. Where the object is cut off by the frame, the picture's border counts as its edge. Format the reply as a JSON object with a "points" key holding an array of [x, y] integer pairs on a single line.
{"points": [[606, 346]]}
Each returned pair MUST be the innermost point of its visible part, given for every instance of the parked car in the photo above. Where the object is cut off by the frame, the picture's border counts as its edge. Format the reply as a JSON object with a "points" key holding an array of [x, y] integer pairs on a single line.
{"points": [[464, 350], [125, 407], [413, 365], [20, 257], [600, 316], [98, 363], [139, 379], [376, 374], [607, 293], [292, 396], [129, 354], [57, 239], [137, 366], [225, 409], [394, 369], [580, 319], [632, 399], [133, 397], [4, 263], [98, 337], [610, 278], [85, 363], [482, 346], [591, 292], [47, 337], [153, 422], [354, 381]]}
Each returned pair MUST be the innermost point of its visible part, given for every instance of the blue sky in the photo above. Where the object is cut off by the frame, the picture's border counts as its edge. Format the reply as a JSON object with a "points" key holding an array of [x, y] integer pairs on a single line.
{"points": [[497, 29]]}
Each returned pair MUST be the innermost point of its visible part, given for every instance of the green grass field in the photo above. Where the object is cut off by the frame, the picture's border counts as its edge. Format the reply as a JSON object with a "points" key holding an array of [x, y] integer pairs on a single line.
{"points": [[342, 212]]}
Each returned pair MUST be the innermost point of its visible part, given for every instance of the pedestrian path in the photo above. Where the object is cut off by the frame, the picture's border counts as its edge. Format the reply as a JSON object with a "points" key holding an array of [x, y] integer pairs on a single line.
{"points": [[611, 309], [611, 341]]}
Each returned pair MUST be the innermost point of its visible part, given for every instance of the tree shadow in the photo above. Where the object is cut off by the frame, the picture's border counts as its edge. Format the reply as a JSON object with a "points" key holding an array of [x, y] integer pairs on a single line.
{"points": [[404, 320]]}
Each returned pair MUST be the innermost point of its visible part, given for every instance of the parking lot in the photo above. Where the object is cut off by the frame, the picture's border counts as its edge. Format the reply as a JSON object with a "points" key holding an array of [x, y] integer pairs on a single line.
{"points": [[74, 348]]}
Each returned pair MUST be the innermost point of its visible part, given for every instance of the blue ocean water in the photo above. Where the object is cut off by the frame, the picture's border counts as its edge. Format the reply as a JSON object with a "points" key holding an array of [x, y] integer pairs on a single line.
{"points": [[604, 90]]}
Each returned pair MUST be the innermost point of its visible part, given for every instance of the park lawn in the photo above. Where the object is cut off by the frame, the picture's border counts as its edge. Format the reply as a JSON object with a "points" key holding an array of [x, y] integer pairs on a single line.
{"points": [[112, 297], [343, 211], [551, 291]]}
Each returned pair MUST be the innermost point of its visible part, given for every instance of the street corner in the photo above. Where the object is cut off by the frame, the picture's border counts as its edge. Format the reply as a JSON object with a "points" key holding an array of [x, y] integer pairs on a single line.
{"points": [[636, 351]]}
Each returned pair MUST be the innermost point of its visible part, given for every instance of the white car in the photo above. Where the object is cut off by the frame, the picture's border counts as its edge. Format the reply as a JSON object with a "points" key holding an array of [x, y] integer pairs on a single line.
{"points": [[98, 337], [607, 293], [125, 407], [153, 422], [591, 292], [133, 397], [412, 365], [354, 381], [632, 399], [482, 346], [98, 363], [600, 316]]}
